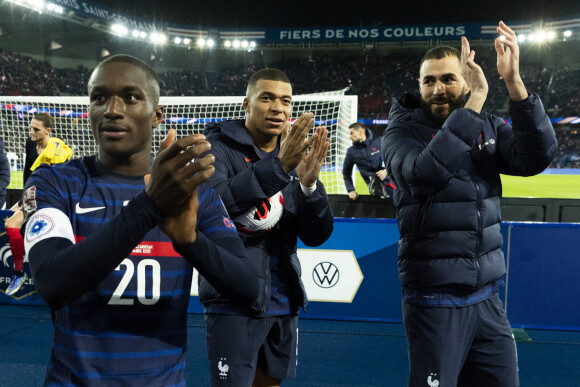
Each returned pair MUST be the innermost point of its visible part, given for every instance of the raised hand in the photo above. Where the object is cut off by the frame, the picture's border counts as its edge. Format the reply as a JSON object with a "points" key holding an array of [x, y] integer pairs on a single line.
{"points": [[508, 62], [309, 169], [471, 71], [474, 77], [295, 142], [173, 184]]}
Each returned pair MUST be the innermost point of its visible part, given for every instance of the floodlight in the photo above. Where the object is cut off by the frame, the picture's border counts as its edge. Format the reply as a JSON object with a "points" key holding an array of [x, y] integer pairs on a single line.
{"points": [[227, 44], [236, 43], [244, 43], [119, 29], [186, 41], [541, 36], [252, 44], [177, 40], [567, 33], [551, 35], [522, 38], [158, 38], [135, 33], [200, 42], [502, 38], [210, 42]]}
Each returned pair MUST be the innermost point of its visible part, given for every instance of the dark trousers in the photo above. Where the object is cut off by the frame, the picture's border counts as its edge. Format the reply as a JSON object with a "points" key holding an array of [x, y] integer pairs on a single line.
{"points": [[470, 346]]}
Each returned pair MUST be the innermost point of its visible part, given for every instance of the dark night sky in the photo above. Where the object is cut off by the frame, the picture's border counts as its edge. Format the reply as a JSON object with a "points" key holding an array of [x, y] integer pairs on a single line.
{"points": [[299, 13]]}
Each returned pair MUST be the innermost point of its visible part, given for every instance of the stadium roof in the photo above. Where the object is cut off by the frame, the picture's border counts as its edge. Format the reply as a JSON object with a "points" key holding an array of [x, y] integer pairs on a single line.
{"points": [[301, 13]]}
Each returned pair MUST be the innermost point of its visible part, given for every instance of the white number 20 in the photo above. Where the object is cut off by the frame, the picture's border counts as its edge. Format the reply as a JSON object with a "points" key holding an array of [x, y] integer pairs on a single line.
{"points": [[117, 299]]}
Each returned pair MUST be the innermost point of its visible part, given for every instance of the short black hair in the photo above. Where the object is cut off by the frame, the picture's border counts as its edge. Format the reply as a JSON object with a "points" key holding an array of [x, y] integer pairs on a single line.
{"points": [[357, 125], [268, 74], [149, 72], [440, 52]]}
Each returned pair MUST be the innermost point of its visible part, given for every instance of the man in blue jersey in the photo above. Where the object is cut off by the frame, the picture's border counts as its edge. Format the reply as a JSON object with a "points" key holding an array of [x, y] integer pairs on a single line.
{"points": [[270, 188], [445, 156], [113, 255]]}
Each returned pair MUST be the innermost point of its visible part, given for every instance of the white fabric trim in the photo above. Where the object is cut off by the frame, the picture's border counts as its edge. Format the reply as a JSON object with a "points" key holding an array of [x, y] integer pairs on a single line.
{"points": [[47, 223]]}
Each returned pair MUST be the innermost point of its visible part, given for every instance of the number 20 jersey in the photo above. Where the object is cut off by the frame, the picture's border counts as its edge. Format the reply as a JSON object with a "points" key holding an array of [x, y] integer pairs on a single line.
{"points": [[131, 328]]}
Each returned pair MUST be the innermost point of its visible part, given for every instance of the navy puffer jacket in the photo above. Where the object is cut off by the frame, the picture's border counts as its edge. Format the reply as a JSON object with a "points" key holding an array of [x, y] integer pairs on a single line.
{"points": [[448, 198], [243, 178]]}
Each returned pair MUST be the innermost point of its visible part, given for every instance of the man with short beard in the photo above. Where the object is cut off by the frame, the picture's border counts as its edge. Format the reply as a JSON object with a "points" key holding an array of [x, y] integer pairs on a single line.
{"points": [[445, 157]]}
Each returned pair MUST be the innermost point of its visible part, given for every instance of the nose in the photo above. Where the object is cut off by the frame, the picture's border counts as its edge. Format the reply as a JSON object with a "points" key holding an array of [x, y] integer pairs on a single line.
{"points": [[439, 88], [277, 106], [115, 108]]}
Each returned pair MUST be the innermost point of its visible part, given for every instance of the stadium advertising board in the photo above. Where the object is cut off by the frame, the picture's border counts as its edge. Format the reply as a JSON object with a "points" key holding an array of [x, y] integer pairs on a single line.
{"points": [[348, 34]]}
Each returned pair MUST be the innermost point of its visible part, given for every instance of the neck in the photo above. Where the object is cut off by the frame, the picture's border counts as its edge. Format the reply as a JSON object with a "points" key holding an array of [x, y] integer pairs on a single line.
{"points": [[264, 142], [133, 165], [40, 145]]}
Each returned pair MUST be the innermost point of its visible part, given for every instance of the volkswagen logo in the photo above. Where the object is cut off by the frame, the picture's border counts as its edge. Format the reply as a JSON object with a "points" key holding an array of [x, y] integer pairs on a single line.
{"points": [[325, 275]]}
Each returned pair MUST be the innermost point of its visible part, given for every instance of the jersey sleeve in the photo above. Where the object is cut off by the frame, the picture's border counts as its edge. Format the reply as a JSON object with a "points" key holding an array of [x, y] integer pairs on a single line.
{"points": [[218, 253]]}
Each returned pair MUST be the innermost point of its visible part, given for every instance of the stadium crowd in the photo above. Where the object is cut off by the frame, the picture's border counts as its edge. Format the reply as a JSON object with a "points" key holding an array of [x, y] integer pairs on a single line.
{"points": [[378, 80]]}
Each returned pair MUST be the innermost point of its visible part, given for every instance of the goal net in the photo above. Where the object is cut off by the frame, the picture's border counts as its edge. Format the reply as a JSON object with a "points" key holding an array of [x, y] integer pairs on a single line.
{"points": [[188, 115]]}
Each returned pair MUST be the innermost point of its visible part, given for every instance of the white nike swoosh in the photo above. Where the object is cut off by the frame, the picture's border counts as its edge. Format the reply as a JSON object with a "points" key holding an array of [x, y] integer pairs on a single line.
{"points": [[80, 210]]}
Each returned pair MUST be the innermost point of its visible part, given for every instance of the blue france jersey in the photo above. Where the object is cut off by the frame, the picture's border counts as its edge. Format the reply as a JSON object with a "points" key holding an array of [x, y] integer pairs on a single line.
{"points": [[131, 328]]}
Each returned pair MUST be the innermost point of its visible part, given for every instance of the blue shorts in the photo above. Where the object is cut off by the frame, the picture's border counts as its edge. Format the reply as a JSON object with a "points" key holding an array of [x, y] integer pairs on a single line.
{"points": [[470, 346], [237, 345]]}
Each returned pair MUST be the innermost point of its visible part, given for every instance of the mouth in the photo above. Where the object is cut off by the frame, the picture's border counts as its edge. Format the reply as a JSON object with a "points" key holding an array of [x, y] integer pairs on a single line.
{"points": [[440, 105], [275, 121], [113, 131]]}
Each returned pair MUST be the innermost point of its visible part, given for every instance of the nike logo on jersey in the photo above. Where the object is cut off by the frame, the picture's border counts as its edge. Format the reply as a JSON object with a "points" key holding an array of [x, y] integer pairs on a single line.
{"points": [[80, 210]]}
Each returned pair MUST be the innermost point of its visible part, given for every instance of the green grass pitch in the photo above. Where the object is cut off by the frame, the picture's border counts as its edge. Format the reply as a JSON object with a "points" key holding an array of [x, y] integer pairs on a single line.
{"points": [[540, 186]]}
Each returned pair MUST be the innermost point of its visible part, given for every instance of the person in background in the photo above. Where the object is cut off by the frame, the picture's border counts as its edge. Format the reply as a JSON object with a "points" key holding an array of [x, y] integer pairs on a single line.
{"points": [[365, 153], [41, 148]]}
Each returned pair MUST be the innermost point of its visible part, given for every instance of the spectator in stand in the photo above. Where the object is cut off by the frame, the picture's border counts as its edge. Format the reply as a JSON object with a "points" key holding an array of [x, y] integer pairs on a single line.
{"points": [[365, 153]]}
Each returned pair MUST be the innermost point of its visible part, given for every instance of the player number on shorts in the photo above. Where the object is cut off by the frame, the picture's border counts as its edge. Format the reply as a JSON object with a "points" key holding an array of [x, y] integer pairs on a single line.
{"points": [[154, 281]]}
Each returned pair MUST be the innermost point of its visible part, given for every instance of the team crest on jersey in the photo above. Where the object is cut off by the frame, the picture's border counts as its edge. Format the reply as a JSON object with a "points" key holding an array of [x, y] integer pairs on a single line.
{"points": [[40, 225]]}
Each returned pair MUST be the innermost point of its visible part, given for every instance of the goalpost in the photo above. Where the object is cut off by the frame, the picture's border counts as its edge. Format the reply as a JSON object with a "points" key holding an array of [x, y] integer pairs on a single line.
{"points": [[188, 115]]}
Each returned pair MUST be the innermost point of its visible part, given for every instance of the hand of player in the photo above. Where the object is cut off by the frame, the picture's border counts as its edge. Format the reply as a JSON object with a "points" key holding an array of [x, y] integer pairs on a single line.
{"points": [[352, 195], [173, 182], [309, 168], [295, 142], [181, 227], [382, 174], [508, 62], [474, 77], [471, 71]]}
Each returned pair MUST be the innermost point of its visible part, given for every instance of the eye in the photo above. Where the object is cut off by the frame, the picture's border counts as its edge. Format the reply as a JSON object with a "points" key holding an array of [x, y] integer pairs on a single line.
{"points": [[97, 98], [131, 98]]}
